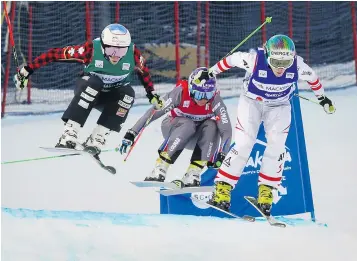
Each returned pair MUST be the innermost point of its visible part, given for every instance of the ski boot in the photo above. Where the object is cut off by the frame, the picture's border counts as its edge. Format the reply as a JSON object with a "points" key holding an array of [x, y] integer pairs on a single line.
{"points": [[69, 136], [192, 177], [265, 199], [161, 166], [96, 141], [221, 197]]}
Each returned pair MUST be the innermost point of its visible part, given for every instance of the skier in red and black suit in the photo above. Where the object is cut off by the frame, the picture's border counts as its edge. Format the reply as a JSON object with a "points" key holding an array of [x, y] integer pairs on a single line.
{"points": [[110, 62]]}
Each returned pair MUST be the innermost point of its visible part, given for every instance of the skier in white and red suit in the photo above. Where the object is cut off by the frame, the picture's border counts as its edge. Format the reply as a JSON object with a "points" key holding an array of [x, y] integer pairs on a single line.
{"points": [[269, 84], [196, 119]]}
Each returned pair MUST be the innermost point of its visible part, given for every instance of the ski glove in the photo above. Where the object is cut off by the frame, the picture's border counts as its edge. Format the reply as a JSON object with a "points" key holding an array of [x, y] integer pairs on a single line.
{"points": [[326, 103], [211, 73], [21, 77], [155, 100], [128, 141], [219, 160], [201, 77]]}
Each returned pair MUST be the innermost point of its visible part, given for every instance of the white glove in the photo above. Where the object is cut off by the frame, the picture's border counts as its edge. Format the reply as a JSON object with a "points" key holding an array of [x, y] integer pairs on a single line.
{"points": [[21, 78]]}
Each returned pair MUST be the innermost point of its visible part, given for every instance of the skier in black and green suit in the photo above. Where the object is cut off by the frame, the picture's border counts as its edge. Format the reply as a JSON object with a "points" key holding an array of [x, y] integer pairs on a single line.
{"points": [[110, 62]]}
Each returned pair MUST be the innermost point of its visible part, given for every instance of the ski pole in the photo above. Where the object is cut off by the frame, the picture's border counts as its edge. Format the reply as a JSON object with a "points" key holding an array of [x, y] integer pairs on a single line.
{"points": [[307, 99], [44, 158], [138, 137], [267, 20]]}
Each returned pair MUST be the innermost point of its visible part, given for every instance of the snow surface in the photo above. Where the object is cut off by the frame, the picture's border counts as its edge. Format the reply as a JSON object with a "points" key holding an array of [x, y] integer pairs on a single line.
{"points": [[44, 202]]}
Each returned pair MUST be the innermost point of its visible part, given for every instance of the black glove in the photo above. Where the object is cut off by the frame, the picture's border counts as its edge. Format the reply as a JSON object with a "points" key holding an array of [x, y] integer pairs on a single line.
{"points": [[326, 103], [211, 73], [202, 75], [219, 160], [155, 100], [127, 141]]}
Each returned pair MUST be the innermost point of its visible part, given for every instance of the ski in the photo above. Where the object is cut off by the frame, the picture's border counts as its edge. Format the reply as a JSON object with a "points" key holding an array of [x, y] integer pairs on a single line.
{"points": [[154, 184], [245, 217], [271, 220], [62, 150], [96, 158], [82, 151], [186, 190], [171, 188]]}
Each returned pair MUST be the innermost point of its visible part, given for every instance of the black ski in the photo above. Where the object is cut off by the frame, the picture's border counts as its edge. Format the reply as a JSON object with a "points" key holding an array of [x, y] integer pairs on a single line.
{"points": [[96, 158], [272, 221]]}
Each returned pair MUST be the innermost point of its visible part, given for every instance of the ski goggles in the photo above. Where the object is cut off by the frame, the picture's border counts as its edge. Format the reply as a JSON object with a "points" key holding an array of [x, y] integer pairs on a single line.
{"points": [[284, 64], [197, 95], [116, 51]]}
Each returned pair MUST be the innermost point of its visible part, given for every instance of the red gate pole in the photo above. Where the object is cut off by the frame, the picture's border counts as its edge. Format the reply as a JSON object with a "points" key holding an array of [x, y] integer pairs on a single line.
{"points": [[262, 19], [117, 8], [198, 33], [8, 63], [207, 36], [177, 41], [88, 22]]}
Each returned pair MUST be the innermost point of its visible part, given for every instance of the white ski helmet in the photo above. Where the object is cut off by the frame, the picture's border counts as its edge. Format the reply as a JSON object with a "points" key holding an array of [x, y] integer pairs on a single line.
{"points": [[115, 35]]}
